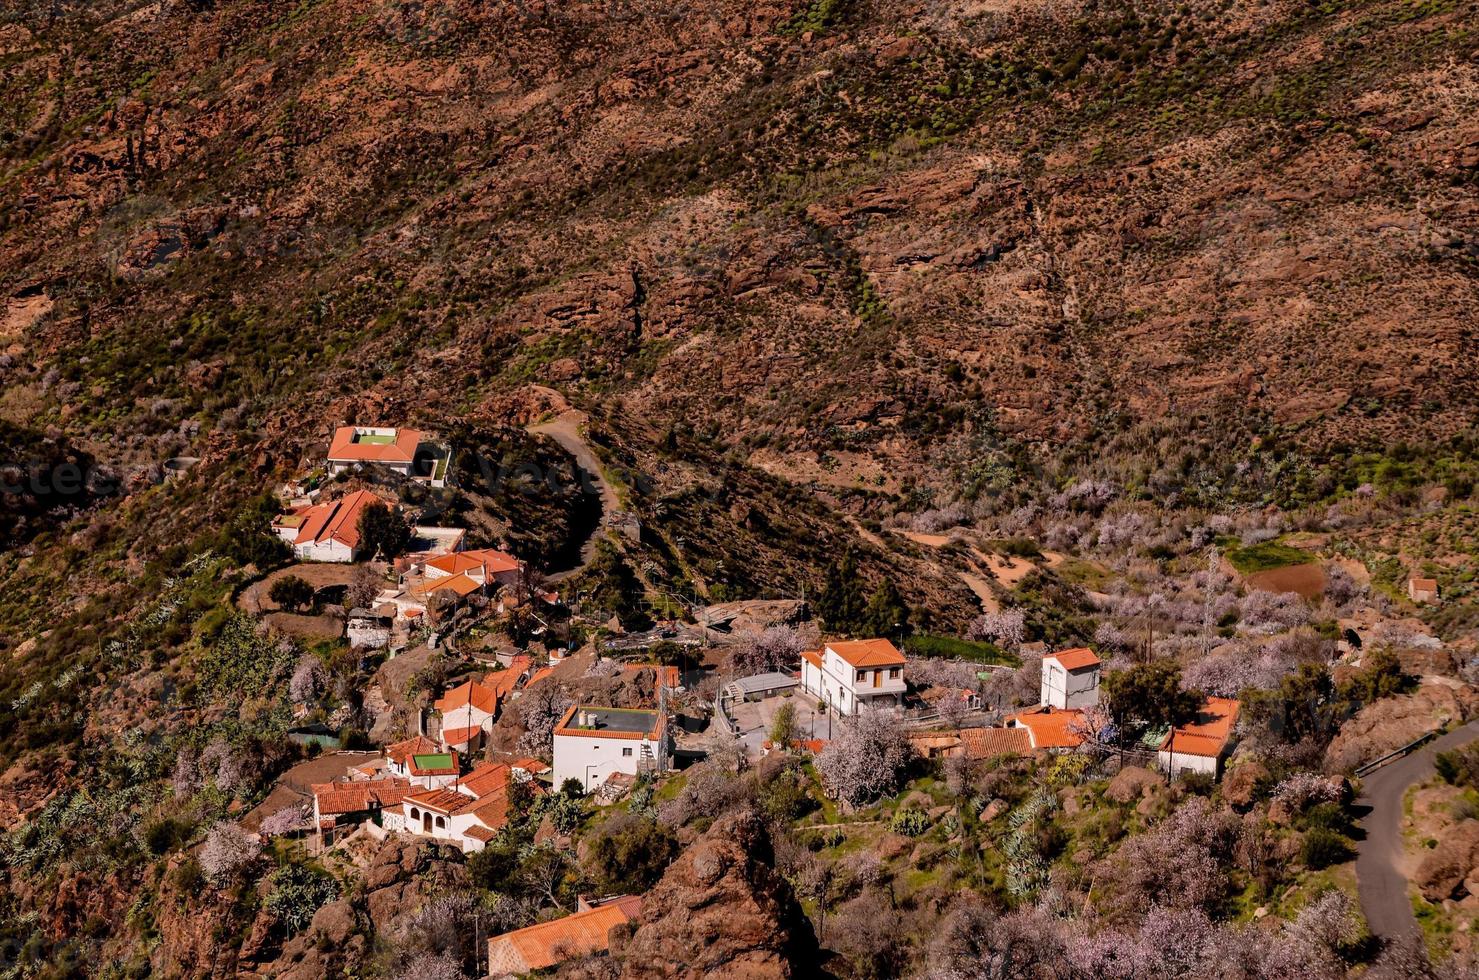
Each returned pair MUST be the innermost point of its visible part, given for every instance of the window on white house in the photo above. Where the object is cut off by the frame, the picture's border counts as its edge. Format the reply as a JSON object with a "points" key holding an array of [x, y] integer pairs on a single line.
{"points": [[861, 675], [626, 751]]}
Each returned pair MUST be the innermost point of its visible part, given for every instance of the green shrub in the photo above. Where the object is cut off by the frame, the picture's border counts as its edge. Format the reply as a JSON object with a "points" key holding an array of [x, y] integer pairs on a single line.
{"points": [[1322, 848], [950, 648], [629, 853], [166, 834], [911, 822], [291, 592], [298, 891]]}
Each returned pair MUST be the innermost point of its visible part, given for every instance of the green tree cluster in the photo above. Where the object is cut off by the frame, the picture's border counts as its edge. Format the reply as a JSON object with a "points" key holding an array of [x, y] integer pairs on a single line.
{"points": [[846, 606]]}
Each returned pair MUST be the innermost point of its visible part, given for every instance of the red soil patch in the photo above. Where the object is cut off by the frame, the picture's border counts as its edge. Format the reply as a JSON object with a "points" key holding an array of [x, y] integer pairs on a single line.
{"points": [[1308, 579]]}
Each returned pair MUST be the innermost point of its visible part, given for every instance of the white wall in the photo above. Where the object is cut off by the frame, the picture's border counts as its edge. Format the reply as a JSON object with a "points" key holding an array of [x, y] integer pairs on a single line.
{"points": [[1062, 689], [324, 551], [589, 759], [454, 831], [1189, 763], [838, 684]]}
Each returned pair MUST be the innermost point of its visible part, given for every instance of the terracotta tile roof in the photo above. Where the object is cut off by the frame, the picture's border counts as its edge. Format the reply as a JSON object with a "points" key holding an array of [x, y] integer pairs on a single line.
{"points": [[532, 766], [356, 797], [538, 676], [336, 520], [484, 562], [1078, 658], [400, 752], [1209, 734], [454, 563], [669, 675], [1425, 584], [460, 584], [402, 449], [495, 562], [548, 944], [460, 736], [447, 801], [1050, 727], [868, 653], [984, 743], [490, 777], [479, 832], [482, 697], [504, 681], [813, 657]]}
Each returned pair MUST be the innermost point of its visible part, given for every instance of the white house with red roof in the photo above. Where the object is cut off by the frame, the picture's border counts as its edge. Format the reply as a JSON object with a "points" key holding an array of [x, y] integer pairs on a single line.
{"points": [[849, 674], [327, 531], [469, 812], [1070, 686], [406, 451], [335, 803], [462, 573], [1070, 679], [1202, 744], [468, 712]]}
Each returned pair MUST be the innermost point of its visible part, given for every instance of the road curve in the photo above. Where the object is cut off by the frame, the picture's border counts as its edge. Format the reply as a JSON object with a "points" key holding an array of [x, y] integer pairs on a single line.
{"points": [[1383, 886], [564, 429]]}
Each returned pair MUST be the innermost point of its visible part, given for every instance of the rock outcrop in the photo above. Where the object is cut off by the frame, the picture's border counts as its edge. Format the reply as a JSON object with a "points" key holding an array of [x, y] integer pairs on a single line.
{"points": [[721, 910], [1393, 722], [1446, 870]]}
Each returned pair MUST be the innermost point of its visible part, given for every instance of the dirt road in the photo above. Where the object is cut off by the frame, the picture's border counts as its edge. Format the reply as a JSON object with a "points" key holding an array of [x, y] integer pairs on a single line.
{"points": [[564, 429]]}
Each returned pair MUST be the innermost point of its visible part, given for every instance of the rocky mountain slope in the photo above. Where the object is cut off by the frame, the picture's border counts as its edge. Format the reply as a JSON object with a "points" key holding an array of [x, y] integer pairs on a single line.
{"points": [[855, 241], [806, 266]]}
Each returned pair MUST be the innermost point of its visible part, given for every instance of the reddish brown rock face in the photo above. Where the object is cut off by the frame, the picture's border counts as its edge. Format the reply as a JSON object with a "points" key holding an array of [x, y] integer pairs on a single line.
{"points": [[721, 910]]}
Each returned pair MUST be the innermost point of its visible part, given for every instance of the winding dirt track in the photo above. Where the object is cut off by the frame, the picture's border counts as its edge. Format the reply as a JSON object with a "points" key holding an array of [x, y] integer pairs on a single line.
{"points": [[565, 430]]}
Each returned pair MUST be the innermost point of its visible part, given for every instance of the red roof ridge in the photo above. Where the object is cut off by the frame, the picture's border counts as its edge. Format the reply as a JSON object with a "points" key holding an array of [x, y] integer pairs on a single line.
{"points": [[875, 652], [1076, 658]]}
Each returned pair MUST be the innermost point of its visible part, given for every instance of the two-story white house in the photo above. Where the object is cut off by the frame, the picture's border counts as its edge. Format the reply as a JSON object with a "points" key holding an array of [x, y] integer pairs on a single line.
{"points": [[468, 712], [1070, 679], [591, 743], [469, 812], [851, 674]]}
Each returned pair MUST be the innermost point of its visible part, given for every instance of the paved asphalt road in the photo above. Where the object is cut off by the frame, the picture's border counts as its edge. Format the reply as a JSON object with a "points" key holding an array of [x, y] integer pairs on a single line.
{"points": [[1383, 887]]}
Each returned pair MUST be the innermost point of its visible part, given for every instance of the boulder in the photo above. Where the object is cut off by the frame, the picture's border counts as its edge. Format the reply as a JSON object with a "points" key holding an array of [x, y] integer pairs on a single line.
{"points": [[1393, 722], [1131, 783], [1241, 785], [992, 810], [721, 909], [335, 922], [1445, 869]]}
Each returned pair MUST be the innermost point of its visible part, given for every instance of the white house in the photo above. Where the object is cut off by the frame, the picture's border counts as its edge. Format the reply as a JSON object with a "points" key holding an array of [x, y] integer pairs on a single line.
{"points": [[327, 531], [462, 573], [403, 450], [591, 743], [468, 711], [423, 762], [335, 803], [1202, 745], [1070, 679], [848, 674], [471, 811]]}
